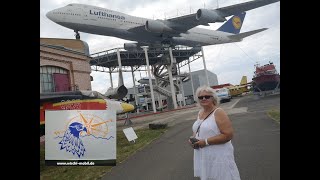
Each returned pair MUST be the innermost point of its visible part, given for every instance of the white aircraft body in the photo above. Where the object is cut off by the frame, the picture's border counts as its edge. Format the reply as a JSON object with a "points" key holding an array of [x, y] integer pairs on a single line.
{"points": [[76, 97], [175, 31]]}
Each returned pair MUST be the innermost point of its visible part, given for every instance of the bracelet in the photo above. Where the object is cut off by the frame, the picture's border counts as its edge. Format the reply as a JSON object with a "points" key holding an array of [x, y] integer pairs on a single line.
{"points": [[207, 144]]}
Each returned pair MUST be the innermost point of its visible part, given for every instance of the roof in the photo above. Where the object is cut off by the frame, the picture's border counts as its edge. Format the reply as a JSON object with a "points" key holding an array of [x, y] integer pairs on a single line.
{"points": [[73, 45], [109, 58]]}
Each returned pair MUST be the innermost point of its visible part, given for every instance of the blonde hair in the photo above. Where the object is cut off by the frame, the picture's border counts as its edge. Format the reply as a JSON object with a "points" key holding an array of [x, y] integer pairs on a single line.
{"points": [[215, 98]]}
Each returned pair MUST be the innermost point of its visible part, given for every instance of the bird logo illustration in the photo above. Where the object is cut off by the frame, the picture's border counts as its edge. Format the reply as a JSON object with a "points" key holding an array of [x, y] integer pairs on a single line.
{"points": [[80, 127], [71, 140]]}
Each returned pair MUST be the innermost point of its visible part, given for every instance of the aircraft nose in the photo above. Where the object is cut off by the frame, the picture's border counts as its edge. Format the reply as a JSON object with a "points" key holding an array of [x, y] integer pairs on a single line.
{"points": [[127, 107], [49, 15]]}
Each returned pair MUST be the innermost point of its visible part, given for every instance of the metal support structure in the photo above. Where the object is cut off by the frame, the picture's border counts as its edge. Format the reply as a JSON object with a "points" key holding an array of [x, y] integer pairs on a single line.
{"points": [[159, 96], [181, 87], [134, 89], [146, 101], [117, 60], [204, 65], [150, 80], [127, 121], [277, 86], [173, 92], [191, 80], [120, 81], [110, 73]]}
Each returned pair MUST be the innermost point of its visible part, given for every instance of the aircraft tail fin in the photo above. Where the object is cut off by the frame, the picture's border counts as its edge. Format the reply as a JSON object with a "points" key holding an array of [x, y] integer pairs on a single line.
{"points": [[234, 24], [246, 34], [243, 80]]}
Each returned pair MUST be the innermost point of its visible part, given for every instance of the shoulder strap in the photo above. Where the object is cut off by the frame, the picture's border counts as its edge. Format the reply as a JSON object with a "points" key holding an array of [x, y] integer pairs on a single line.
{"points": [[210, 114], [204, 119]]}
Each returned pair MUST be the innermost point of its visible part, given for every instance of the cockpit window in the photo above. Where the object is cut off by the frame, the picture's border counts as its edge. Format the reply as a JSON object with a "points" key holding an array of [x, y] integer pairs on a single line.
{"points": [[70, 5]]}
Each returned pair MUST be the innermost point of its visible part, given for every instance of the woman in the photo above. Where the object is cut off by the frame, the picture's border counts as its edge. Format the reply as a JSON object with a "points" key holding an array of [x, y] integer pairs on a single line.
{"points": [[213, 153]]}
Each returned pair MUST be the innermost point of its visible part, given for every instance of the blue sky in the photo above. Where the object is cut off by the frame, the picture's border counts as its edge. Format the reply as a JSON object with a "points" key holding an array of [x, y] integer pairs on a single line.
{"points": [[229, 61]]}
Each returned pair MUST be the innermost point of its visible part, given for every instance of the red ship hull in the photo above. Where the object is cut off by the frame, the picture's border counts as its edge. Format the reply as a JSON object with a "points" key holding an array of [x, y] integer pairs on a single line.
{"points": [[266, 78], [266, 82]]}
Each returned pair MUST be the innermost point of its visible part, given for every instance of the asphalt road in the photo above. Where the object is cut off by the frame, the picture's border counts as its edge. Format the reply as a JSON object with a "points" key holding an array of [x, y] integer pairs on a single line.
{"points": [[257, 139], [256, 143]]}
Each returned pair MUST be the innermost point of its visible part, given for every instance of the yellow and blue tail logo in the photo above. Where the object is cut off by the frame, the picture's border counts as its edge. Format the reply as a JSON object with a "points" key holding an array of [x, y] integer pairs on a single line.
{"points": [[234, 24]]}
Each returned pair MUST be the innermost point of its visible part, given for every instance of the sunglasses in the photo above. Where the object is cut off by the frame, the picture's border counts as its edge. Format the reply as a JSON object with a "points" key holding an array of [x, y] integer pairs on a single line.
{"points": [[206, 97]]}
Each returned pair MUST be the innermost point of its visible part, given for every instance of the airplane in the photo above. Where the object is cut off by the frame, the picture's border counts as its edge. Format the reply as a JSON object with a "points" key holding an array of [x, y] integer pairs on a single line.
{"points": [[237, 90], [69, 100], [147, 32]]}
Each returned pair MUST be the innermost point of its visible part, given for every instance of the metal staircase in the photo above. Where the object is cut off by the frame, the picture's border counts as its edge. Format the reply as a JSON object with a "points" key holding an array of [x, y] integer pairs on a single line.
{"points": [[162, 91]]}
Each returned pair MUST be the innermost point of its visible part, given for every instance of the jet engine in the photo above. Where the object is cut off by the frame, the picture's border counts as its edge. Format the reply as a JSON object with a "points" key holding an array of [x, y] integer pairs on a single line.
{"points": [[157, 26], [117, 93], [131, 46], [207, 15]]}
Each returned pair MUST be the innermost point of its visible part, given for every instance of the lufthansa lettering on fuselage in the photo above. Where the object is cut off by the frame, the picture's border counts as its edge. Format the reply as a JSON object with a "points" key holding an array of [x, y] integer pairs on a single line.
{"points": [[100, 13]]}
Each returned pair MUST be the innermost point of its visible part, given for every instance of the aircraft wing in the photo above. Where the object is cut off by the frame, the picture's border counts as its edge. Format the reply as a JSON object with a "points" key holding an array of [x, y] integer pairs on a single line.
{"points": [[242, 7], [58, 96], [77, 96], [187, 22]]}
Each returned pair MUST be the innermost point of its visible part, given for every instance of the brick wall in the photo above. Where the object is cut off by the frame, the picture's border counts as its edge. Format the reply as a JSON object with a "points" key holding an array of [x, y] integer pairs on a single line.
{"points": [[77, 65]]}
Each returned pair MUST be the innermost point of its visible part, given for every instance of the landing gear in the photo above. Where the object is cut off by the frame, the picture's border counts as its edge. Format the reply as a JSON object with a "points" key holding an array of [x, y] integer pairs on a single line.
{"points": [[77, 35], [166, 43]]}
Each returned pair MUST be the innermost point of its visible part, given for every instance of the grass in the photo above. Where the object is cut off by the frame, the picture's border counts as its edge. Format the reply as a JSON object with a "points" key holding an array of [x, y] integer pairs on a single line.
{"points": [[124, 150], [275, 115]]}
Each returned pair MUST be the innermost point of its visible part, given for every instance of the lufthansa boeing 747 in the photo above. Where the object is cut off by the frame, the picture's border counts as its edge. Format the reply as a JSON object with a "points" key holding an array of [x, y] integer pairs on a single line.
{"points": [[175, 31]]}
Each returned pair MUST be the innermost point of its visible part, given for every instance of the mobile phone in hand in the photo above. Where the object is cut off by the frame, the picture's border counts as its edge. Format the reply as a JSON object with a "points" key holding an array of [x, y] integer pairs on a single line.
{"points": [[194, 140]]}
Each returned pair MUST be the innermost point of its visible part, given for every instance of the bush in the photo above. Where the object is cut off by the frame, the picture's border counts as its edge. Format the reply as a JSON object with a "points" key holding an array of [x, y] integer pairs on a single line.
{"points": [[158, 126]]}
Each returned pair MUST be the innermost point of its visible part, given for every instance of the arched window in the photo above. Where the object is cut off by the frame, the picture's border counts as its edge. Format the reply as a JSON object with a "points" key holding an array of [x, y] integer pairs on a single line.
{"points": [[54, 79]]}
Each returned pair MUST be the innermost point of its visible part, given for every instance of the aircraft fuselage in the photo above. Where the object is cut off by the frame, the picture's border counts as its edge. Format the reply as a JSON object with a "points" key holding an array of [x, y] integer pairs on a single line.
{"points": [[101, 21]]}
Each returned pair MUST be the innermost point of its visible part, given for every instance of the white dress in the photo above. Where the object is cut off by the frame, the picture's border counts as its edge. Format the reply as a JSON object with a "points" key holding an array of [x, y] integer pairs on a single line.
{"points": [[213, 162]]}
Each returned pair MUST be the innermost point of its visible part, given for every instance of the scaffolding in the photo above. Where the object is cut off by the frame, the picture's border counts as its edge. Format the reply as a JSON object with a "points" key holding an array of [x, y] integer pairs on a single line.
{"points": [[107, 61]]}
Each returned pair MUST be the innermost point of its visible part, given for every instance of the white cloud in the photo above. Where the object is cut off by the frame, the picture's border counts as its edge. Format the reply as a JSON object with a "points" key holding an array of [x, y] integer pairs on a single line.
{"points": [[229, 61]]}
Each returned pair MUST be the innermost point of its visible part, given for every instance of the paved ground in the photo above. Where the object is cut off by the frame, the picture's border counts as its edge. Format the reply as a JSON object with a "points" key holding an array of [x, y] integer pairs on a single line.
{"points": [[257, 139], [256, 142]]}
